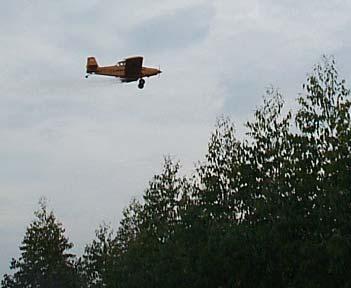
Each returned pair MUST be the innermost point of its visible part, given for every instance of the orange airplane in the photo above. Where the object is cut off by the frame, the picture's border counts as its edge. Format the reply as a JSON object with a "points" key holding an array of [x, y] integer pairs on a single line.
{"points": [[129, 70]]}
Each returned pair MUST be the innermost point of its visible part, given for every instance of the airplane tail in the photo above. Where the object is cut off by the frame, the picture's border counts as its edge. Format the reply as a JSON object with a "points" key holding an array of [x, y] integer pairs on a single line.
{"points": [[92, 65]]}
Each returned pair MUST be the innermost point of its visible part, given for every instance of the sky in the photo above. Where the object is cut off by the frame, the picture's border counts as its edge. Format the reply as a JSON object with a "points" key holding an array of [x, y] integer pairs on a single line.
{"points": [[90, 145]]}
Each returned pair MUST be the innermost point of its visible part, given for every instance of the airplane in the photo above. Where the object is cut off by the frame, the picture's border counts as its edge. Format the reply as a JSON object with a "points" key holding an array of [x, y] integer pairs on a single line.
{"points": [[128, 70]]}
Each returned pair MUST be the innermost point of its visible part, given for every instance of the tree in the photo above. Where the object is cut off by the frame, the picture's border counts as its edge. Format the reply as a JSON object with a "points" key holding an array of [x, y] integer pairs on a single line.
{"points": [[144, 247], [324, 141], [105, 262], [151, 253], [276, 206], [272, 209], [99, 262], [44, 260]]}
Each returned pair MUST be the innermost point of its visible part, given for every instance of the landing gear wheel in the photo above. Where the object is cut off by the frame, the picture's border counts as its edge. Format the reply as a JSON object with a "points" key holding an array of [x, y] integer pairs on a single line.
{"points": [[141, 83]]}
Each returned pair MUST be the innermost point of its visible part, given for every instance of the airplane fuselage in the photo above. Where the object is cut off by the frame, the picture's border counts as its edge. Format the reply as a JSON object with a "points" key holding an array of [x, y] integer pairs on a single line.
{"points": [[119, 71]]}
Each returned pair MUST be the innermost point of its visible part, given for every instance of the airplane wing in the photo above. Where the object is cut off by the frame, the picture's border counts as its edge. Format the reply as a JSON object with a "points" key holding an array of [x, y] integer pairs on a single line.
{"points": [[133, 67]]}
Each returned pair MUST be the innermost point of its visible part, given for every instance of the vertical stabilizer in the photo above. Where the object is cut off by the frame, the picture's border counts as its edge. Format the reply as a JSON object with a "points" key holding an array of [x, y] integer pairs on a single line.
{"points": [[92, 65]]}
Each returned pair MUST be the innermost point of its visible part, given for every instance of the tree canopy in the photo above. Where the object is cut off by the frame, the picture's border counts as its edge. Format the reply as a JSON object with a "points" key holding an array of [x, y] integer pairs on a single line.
{"points": [[45, 260], [272, 209]]}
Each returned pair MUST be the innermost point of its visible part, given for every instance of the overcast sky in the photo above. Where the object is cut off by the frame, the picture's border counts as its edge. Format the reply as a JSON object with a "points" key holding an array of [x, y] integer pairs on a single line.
{"points": [[90, 145]]}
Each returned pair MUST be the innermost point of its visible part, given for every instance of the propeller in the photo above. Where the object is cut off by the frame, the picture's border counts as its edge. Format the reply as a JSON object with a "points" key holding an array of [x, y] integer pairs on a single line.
{"points": [[159, 74]]}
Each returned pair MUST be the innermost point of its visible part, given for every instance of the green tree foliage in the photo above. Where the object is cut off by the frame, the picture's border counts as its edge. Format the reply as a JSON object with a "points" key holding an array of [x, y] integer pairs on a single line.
{"points": [[272, 209], [44, 260], [105, 262], [143, 246], [98, 264]]}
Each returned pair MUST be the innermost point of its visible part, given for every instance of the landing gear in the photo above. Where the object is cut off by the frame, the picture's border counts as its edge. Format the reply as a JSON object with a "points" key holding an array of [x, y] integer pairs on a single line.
{"points": [[141, 83]]}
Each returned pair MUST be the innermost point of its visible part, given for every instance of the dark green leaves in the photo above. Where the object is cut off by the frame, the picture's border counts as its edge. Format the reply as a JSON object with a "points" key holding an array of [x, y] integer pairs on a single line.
{"points": [[273, 209], [44, 260]]}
